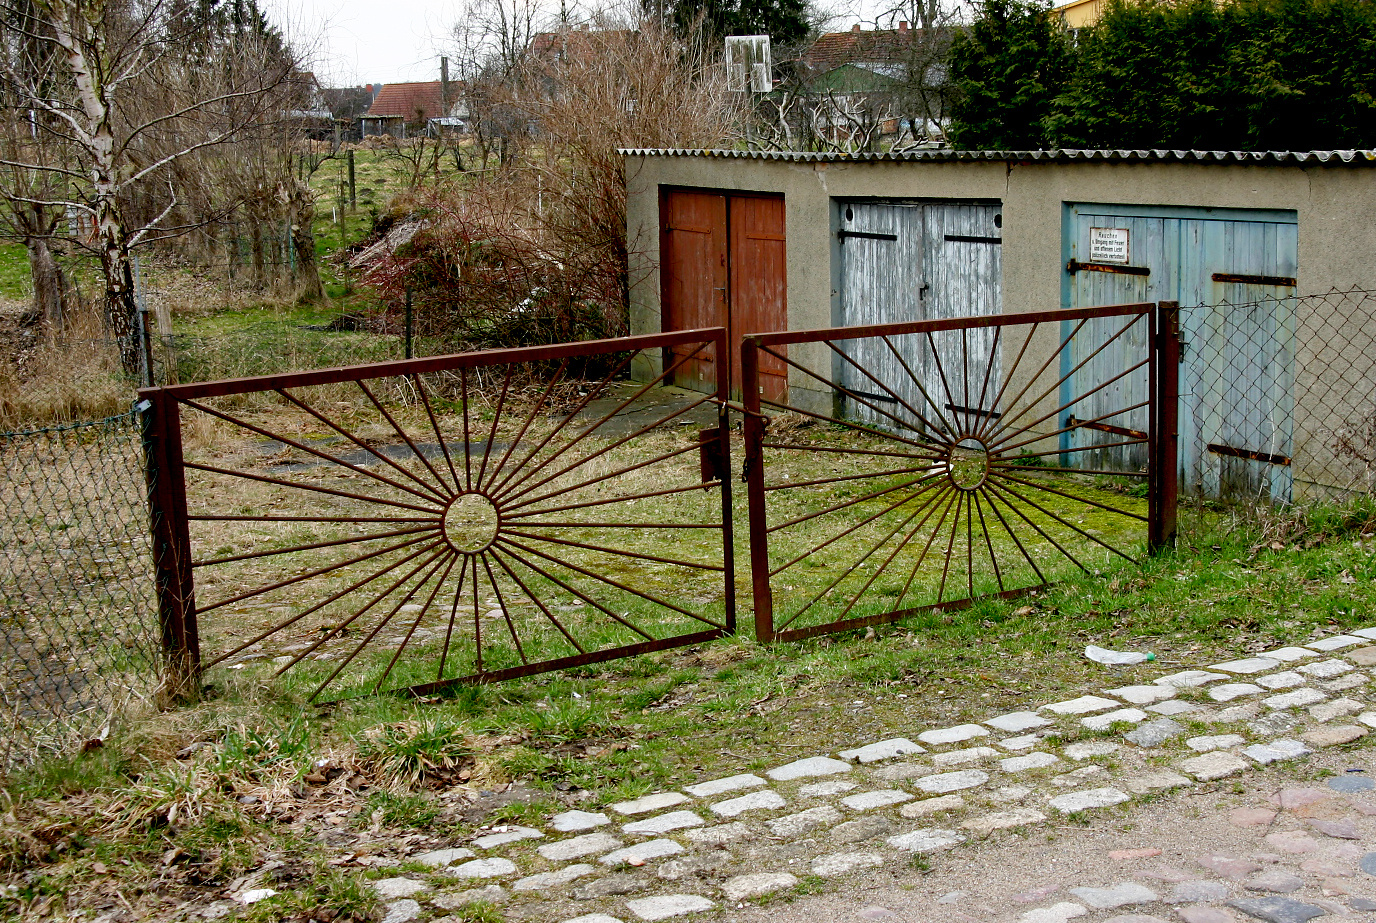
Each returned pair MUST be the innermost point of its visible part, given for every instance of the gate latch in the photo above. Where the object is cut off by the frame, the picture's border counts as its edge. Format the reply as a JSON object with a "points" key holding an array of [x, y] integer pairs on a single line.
{"points": [[710, 460]]}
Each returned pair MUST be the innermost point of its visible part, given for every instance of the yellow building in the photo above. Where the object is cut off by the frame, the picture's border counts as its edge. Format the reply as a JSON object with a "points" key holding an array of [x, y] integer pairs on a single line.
{"points": [[1078, 14]]}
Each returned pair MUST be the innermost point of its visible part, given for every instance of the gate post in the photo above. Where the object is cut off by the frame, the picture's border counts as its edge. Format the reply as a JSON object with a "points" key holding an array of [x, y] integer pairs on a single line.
{"points": [[754, 491], [1162, 501], [162, 452]]}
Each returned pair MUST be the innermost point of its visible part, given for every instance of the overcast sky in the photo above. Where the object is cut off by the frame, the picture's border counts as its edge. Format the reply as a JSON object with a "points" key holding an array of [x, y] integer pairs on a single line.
{"points": [[354, 42]]}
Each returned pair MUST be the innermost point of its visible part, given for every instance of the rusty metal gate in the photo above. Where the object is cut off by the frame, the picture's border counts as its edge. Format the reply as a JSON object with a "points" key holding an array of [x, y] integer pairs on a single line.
{"points": [[469, 517], [957, 466]]}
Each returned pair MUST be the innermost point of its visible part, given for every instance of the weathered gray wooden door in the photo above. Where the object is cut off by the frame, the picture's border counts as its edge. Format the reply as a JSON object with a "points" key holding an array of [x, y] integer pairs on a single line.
{"points": [[918, 260], [1237, 364]]}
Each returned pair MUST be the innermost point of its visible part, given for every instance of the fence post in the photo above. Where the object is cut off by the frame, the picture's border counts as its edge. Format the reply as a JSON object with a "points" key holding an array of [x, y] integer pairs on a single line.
{"points": [[353, 189], [162, 451], [408, 323], [754, 489], [1163, 499]]}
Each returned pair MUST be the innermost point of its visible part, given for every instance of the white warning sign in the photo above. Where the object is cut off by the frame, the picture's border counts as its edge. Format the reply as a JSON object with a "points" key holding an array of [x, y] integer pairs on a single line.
{"points": [[1108, 245]]}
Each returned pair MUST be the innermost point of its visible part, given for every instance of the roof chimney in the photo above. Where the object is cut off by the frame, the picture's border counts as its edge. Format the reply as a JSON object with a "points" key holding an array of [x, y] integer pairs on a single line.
{"points": [[855, 28], [902, 28]]}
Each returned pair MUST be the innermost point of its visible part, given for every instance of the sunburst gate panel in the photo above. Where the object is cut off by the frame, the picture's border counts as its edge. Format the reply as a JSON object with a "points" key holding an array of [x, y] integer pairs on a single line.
{"points": [[476, 516]]}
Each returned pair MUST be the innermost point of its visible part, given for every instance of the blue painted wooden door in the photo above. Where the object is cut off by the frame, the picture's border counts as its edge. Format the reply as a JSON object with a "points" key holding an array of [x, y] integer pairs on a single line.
{"points": [[1237, 374]]}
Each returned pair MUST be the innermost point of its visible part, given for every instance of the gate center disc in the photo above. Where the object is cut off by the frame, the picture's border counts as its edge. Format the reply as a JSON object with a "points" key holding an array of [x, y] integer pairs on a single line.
{"points": [[470, 523], [968, 463]]}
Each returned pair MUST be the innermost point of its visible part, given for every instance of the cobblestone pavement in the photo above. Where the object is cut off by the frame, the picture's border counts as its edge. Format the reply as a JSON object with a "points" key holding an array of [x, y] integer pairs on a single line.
{"points": [[1005, 820]]}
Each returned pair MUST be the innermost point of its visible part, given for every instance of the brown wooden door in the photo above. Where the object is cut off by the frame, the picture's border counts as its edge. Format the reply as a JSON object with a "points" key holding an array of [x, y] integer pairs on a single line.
{"points": [[758, 297], [693, 276], [723, 265]]}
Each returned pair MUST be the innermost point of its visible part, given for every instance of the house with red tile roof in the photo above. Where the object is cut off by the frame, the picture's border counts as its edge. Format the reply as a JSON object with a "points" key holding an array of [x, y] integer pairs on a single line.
{"points": [[405, 109]]}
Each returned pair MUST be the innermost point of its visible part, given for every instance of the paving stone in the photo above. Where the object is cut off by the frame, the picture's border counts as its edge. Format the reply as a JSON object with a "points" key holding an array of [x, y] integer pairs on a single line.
{"points": [[1350, 784], [1274, 881], [861, 829], [1282, 749], [1153, 782], [897, 772], [883, 750], [1368, 863], [758, 885], [1154, 733], [1007, 793], [1205, 915], [1080, 777], [1277, 909], [656, 802], [573, 821], [442, 857], [1211, 742], [1090, 749], [483, 868], [755, 801], [925, 841], [944, 782], [1173, 707], [1335, 643], [1361, 904], [1368, 718], [1134, 918], [1296, 699], [961, 757], [1326, 669], [834, 787], [1142, 695], [868, 801], [1292, 842], [722, 786], [1286, 680], [1251, 817], [1275, 722], [1236, 869], [1018, 721], [1229, 691], [1084, 705], [1362, 656], [1335, 736], [1003, 820], [1211, 766], [1326, 868], [664, 906], [1056, 913], [791, 825], [932, 806], [1235, 713], [1247, 666], [952, 735], [1120, 895], [1188, 678], [1028, 741], [1338, 708], [1108, 719], [586, 845], [641, 853], [390, 889], [699, 865], [1368, 633], [1197, 892], [719, 835], [1030, 761], [1168, 873], [594, 918], [505, 835], [674, 820], [807, 768], [401, 911], [458, 900], [1295, 797], [1088, 799], [1343, 829], [843, 862], [1343, 683], [555, 879]]}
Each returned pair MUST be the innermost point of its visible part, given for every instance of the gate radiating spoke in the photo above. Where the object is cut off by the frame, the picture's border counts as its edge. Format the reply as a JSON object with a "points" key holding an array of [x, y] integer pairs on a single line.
{"points": [[930, 463], [467, 517]]}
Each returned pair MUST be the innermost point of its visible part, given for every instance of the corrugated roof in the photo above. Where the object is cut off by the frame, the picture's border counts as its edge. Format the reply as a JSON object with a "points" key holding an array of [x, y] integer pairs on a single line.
{"points": [[1336, 158]]}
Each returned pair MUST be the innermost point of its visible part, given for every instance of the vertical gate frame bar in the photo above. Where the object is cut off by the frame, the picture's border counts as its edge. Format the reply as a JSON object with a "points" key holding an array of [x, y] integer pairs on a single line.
{"points": [[1165, 413], [166, 479], [721, 345], [754, 490]]}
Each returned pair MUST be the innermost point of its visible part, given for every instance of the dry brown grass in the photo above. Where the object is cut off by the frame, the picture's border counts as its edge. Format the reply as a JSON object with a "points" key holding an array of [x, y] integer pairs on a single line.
{"points": [[74, 375]]}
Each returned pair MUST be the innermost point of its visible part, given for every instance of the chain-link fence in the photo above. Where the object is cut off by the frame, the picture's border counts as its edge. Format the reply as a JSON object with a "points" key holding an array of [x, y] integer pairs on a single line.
{"points": [[78, 632], [1278, 399]]}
